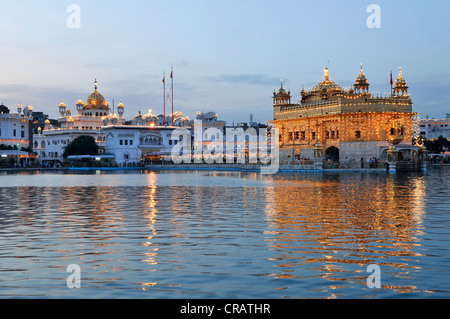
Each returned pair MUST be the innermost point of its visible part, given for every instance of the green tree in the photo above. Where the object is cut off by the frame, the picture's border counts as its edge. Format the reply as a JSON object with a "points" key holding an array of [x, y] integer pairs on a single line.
{"points": [[82, 145], [437, 146]]}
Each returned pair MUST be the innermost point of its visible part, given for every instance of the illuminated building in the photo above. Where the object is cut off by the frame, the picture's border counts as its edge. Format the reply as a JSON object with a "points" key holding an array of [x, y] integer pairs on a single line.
{"points": [[50, 142], [333, 123], [158, 120]]}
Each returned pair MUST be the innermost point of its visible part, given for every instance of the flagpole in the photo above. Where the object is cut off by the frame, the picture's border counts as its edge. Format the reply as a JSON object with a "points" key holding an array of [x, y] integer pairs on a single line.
{"points": [[171, 76], [391, 83], [164, 97]]}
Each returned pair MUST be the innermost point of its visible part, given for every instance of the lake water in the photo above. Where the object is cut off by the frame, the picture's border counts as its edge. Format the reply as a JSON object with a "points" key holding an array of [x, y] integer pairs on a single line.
{"points": [[189, 234]]}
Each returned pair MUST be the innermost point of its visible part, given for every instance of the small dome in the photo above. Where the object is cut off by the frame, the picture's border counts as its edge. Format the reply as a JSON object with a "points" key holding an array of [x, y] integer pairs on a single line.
{"points": [[120, 105], [327, 85], [400, 83], [68, 112], [47, 121], [30, 108], [4, 109], [80, 102], [62, 104], [361, 79], [281, 90], [70, 119]]}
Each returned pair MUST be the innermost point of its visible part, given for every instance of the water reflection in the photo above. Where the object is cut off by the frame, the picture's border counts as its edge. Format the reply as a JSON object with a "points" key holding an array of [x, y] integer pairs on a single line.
{"points": [[337, 227], [225, 235]]}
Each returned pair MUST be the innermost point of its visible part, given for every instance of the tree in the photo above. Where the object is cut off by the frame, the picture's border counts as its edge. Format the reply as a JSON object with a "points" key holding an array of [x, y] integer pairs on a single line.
{"points": [[437, 146], [82, 145]]}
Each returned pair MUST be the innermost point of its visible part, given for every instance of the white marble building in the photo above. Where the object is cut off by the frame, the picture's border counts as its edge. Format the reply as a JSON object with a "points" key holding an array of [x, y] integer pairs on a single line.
{"points": [[131, 144], [50, 143], [16, 128], [433, 128]]}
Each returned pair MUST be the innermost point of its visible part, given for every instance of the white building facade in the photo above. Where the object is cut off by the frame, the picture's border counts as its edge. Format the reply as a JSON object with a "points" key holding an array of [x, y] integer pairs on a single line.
{"points": [[51, 142], [133, 144], [431, 129], [16, 129]]}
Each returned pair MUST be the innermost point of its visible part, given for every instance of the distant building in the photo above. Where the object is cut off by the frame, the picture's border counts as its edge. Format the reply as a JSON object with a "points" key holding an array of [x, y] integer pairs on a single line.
{"points": [[16, 129], [334, 123], [39, 120], [131, 144], [158, 120], [431, 129]]}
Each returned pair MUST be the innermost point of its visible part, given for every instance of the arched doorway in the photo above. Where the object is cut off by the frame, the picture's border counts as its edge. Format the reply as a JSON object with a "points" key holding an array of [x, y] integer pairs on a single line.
{"points": [[332, 153]]}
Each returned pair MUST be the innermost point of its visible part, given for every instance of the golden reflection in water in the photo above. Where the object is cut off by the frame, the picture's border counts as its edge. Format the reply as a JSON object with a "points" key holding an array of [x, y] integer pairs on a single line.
{"points": [[332, 223], [151, 210], [151, 214]]}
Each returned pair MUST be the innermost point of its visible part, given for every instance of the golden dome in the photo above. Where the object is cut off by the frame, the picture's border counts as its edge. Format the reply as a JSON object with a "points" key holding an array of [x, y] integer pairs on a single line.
{"points": [[62, 104], [361, 85], [30, 108], [96, 100], [70, 119], [400, 87], [361, 79], [327, 84], [120, 105], [47, 121], [400, 82], [80, 102]]}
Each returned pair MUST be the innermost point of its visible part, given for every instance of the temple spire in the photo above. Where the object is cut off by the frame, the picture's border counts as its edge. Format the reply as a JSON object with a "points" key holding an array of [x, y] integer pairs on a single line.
{"points": [[327, 74]]}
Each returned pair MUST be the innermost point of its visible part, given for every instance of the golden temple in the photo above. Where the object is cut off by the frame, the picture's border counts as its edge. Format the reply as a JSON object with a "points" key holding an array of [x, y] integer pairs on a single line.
{"points": [[330, 122]]}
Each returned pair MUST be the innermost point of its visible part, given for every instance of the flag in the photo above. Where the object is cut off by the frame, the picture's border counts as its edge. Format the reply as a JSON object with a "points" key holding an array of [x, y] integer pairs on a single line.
{"points": [[392, 82], [171, 74], [164, 79]]}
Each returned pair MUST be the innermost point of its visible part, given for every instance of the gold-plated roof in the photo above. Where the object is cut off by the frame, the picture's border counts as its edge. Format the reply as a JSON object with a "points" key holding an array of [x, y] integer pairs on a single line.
{"points": [[361, 79], [327, 84], [96, 100], [400, 82]]}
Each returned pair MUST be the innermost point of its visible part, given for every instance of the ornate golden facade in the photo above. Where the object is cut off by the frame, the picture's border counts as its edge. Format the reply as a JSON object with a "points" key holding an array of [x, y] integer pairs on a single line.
{"points": [[340, 124]]}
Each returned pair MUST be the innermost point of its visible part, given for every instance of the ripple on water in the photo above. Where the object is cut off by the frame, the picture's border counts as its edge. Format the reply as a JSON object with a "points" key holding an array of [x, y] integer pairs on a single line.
{"points": [[224, 235]]}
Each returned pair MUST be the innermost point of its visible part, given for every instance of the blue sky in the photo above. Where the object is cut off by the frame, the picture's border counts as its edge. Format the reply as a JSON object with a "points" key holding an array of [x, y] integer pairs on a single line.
{"points": [[228, 56]]}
